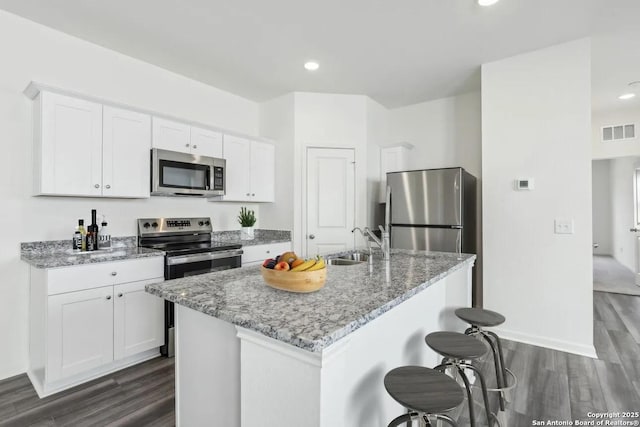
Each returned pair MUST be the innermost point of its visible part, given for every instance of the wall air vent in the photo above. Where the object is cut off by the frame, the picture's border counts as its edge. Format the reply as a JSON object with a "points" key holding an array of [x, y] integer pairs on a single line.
{"points": [[618, 132]]}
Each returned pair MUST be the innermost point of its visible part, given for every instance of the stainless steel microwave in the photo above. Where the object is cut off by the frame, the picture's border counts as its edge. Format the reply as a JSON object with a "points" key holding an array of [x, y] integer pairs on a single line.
{"points": [[183, 174]]}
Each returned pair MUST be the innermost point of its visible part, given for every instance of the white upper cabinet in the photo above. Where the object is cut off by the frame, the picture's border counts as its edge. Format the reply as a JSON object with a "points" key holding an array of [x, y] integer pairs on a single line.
{"points": [[237, 151], [205, 142], [262, 172], [181, 137], [68, 149], [83, 148], [170, 135], [125, 153], [250, 170]]}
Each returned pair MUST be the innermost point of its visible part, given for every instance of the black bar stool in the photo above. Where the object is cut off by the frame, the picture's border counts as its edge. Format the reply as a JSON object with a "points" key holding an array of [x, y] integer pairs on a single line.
{"points": [[480, 318], [457, 348], [424, 392]]}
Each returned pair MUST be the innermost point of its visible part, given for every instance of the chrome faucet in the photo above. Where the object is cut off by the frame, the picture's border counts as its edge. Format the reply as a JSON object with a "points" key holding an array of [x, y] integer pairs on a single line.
{"points": [[367, 241], [384, 243]]}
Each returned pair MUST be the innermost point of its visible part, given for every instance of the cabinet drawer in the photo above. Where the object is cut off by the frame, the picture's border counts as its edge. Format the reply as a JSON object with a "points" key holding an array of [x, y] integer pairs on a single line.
{"points": [[76, 278], [258, 253]]}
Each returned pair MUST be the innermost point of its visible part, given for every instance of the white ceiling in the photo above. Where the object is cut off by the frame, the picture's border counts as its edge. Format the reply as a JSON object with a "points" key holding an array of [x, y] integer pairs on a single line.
{"points": [[398, 52]]}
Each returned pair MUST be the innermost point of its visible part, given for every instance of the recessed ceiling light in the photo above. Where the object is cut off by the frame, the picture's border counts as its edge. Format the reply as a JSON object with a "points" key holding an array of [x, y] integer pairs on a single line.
{"points": [[311, 65], [635, 84], [627, 96], [487, 2]]}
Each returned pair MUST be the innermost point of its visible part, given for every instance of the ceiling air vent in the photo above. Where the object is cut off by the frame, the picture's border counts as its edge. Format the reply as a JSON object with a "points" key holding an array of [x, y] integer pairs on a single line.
{"points": [[618, 132]]}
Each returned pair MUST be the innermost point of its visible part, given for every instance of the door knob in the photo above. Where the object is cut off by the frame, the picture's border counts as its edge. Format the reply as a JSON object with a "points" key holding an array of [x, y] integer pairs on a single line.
{"points": [[312, 236], [634, 230]]}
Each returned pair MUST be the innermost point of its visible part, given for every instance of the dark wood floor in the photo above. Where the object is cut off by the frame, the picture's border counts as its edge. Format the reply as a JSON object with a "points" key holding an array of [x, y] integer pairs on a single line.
{"points": [[552, 385], [142, 395]]}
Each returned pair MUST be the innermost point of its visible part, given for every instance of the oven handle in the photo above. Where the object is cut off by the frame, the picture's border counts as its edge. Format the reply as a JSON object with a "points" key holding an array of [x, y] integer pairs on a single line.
{"points": [[208, 256]]}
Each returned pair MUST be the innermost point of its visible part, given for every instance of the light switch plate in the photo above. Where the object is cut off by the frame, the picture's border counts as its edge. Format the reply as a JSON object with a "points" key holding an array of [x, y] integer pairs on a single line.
{"points": [[563, 226]]}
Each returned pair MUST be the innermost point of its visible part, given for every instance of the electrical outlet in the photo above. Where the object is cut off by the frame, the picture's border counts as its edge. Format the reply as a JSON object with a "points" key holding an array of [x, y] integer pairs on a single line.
{"points": [[563, 226]]}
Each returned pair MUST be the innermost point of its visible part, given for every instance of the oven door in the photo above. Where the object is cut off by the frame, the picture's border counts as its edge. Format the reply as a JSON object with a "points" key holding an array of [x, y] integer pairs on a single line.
{"points": [[190, 265]]}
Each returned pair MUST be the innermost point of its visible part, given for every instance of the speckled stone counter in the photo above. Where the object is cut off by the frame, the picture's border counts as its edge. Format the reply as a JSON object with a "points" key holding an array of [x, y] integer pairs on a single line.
{"points": [[58, 253], [261, 237], [352, 296]]}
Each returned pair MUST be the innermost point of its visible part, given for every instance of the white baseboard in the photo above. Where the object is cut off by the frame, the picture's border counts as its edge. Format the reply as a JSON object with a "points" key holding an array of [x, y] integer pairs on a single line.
{"points": [[568, 347]]}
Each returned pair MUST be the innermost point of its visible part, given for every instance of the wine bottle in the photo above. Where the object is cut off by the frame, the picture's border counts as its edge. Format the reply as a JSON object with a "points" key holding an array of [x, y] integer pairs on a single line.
{"points": [[83, 235], [77, 236], [92, 232]]}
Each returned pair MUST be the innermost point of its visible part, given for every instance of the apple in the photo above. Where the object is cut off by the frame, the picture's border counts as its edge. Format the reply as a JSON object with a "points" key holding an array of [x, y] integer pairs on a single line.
{"points": [[283, 265]]}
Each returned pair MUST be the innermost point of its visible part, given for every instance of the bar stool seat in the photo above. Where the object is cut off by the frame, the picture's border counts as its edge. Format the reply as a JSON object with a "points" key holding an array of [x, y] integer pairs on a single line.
{"points": [[480, 317], [455, 345], [457, 349], [423, 391]]}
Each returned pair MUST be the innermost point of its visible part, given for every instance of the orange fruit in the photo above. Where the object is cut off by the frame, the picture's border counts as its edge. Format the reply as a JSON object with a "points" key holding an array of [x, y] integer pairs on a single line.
{"points": [[296, 262]]}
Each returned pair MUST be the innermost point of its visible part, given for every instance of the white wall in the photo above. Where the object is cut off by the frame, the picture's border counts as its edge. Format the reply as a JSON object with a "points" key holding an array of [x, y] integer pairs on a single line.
{"points": [[34, 52], [611, 149], [601, 195], [536, 122], [378, 135], [277, 123], [445, 132], [622, 210]]}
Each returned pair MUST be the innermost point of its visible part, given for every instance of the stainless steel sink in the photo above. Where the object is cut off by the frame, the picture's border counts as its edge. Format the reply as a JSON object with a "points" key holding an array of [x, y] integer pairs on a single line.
{"points": [[356, 256], [342, 261]]}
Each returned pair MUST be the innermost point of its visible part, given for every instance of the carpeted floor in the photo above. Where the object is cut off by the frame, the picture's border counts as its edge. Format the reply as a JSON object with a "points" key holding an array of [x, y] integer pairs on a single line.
{"points": [[611, 276]]}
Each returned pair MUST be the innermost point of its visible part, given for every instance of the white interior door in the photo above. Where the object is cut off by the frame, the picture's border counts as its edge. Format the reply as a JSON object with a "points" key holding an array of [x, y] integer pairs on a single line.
{"points": [[330, 200]]}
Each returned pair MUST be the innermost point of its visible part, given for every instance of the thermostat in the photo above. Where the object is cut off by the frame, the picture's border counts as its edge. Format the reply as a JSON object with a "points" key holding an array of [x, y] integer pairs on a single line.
{"points": [[524, 184]]}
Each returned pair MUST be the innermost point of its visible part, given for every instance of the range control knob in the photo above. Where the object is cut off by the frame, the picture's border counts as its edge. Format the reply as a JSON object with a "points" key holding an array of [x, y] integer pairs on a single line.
{"points": [[200, 223], [207, 223], [154, 225], [146, 225]]}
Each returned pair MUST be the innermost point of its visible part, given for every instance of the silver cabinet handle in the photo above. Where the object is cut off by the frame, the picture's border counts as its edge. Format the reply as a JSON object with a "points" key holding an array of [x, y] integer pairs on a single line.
{"points": [[248, 194], [186, 145], [114, 273], [268, 252], [253, 194], [108, 296], [97, 185], [107, 186], [120, 295], [312, 236], [634, 230], [195, 146]]}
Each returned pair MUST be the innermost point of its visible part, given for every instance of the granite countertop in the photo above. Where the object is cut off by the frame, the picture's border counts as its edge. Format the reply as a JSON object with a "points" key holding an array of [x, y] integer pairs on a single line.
{"points": [[58, 253], [352, 296], [262, 237]]}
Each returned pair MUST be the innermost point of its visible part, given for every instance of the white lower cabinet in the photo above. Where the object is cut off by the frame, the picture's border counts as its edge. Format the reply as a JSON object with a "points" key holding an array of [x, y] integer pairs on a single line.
{"points": [[80, 334], [137, 320], [256, 254]]}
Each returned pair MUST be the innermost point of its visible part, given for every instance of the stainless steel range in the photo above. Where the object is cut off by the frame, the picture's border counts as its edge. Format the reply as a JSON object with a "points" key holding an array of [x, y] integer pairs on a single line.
{"points": [[189, 251]]}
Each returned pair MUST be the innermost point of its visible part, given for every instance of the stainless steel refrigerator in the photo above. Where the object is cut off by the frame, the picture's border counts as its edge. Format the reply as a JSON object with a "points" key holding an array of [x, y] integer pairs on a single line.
{"points": [[434, 210]]}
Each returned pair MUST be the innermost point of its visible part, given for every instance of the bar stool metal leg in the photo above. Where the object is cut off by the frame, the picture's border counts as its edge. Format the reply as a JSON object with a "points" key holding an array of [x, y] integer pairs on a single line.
{"points": [[496, 362]]}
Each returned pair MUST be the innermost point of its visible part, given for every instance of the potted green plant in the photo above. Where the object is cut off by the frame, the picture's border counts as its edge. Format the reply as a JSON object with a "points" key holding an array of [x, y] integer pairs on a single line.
{"points": [[247, 220]]}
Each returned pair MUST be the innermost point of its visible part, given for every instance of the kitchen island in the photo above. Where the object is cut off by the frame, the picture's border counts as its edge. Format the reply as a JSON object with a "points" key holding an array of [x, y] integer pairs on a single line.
{"points": [[248, 355]]}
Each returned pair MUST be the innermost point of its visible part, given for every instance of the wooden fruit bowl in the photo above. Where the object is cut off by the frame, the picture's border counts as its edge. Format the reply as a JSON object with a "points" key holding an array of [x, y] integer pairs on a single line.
{"points": [[295, 281]]}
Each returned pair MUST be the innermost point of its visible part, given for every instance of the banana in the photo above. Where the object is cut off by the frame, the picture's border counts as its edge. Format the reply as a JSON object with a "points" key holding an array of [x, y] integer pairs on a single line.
{"points": [[319, 265], [305, 265]]}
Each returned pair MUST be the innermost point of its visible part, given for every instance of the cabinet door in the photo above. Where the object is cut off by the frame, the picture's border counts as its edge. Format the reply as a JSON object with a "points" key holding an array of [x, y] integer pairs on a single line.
{"points": [[80, 335], [205, 142], [237, 153], [126, 146], [262, 172], [70, 150], [170, 135], [138, 319]]}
